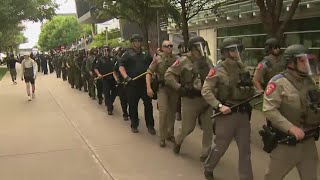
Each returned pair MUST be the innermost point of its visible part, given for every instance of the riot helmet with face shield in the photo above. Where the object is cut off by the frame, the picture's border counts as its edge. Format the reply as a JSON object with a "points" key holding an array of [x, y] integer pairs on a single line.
{"points": [[232, 48], [200, 45], [298, 59]]}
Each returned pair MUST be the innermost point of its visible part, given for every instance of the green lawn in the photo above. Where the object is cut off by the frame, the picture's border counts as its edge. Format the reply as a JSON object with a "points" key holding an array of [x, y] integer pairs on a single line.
{"points": [[3, 71]]}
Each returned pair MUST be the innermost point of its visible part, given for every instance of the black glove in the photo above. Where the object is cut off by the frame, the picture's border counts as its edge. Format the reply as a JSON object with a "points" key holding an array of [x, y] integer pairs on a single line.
{"points": [[183, 91], [127, 79]]}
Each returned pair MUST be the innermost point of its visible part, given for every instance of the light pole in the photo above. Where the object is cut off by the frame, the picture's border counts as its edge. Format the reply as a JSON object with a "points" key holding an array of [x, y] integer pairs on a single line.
{"points": [[158, 23], [107, 36]]}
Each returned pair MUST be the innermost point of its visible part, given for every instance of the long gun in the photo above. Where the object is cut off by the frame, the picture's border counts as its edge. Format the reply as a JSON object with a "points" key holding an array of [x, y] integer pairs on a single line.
{"points": [[237, 105]]}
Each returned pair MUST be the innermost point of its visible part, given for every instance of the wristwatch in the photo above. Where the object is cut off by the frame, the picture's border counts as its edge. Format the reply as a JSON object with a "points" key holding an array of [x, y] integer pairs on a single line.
{"points": [[220, 105]]}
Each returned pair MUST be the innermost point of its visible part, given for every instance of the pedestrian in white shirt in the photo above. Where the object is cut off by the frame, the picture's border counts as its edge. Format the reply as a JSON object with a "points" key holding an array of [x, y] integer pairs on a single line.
{"points": [[29, 71]]}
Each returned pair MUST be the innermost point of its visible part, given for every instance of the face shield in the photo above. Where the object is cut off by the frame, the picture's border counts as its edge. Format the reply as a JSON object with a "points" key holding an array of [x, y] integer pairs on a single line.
{"points": [[306, 65], [203, 48], [235, 48]]}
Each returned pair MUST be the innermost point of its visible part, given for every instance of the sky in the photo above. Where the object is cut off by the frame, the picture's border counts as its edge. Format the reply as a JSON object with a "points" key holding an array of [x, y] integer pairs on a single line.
{"points": [[32, 30]]}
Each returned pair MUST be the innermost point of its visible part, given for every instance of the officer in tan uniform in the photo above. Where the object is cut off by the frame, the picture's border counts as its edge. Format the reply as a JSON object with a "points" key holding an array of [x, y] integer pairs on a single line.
{"points": [[270, 66], [291, 104], [192, 70], [226, 85], [167, 99]]}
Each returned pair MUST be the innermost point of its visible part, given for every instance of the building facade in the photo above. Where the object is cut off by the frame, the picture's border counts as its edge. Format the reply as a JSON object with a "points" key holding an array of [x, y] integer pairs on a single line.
{"points": [[241, 19]]}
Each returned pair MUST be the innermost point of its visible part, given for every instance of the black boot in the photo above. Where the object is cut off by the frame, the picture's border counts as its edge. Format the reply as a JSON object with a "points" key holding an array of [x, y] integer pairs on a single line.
{"points": [[208, 175]]}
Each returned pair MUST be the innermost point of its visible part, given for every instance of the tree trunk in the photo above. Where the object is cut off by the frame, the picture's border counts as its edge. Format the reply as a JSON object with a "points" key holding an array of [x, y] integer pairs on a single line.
{"points": [[184, 23], [144, 30]]}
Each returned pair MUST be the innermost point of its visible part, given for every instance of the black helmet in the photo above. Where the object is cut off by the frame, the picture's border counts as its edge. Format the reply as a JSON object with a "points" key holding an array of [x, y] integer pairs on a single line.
{"points": [[231, 43], [271, 43], [135, 36], [194, 40], [293, 51]]}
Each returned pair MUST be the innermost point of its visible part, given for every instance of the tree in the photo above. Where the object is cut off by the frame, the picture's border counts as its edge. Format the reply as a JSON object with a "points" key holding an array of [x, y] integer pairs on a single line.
{"points": [[181, 11], [13, 12], [137, 11], [61, 30], [271, 15], [11, 38], [113, 39]]}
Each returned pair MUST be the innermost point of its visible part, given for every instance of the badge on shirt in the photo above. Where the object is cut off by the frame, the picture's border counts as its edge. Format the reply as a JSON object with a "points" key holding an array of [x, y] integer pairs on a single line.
{"points": [[260, 66], [211, 73], [176, 63], [270, 88]]}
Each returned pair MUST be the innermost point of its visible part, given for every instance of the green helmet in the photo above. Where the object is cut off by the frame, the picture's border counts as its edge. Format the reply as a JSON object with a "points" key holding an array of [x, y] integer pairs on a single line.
{"points": [[200, 44], [231, 43], [293, 51], [194, 40], [271, 43], [135, 37]]}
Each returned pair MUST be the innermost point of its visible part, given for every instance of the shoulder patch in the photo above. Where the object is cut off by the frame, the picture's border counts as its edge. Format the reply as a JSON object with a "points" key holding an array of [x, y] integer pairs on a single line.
{"points": [[176, 63], [154, 61], [270, 88], [276, 77], [211, 73], [260, 66]]}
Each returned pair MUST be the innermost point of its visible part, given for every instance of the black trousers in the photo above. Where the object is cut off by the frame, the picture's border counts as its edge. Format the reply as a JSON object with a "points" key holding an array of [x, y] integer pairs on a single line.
{"points": [[136, 91], [110, 92], [99, 87], [123, 100]]}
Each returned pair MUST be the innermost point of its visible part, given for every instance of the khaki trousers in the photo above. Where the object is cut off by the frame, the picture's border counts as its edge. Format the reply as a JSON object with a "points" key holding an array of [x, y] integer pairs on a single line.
{"points": [[235, 125], [284, 158], [167, 104], [191, 109]]}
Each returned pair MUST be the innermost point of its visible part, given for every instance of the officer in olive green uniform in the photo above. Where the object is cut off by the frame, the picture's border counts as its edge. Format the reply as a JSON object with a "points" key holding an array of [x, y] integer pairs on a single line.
{"points": [[64, 66], [269, 66], [84, 75], [226, 85], [89, 69], [167, 99], [77, 70], [192, 70], [292, 104], [71, 69]]}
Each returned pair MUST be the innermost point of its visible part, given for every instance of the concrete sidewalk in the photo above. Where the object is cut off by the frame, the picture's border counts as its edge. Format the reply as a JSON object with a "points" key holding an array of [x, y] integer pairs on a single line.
{"points": [[64, 135]]}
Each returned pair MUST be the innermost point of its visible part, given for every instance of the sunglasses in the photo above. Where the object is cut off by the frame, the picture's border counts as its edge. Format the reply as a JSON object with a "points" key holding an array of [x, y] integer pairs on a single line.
{"points": [[168, 46], [276, 47]]}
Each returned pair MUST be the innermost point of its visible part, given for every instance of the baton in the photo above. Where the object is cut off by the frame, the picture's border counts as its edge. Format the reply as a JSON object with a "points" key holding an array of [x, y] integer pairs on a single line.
{"points": [[103, 76], [234, 106]]}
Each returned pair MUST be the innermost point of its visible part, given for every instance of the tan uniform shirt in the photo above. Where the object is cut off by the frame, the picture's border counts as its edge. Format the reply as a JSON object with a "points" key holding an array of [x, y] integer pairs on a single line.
{"points": [[285, 103], [160, 64], [186, 69], [222, 82], [267, 68]]}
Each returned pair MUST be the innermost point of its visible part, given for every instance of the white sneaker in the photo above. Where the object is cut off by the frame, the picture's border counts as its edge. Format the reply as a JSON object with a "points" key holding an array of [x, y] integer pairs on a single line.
{"points": [[33, 96], [29, 98]]}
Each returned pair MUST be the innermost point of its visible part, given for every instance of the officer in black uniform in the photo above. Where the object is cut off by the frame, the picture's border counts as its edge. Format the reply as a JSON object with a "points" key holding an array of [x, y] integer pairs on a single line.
{"points": [[133, 63], [99, 81], [104, 66], [120, 84]]}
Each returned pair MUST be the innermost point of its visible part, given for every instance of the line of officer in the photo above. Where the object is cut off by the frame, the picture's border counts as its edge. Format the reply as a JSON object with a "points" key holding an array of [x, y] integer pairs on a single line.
{"points": [[292, 104], [270, 66], [167, 99], [105, 65], [192, 70], [226, 85], [120, 84], [133, 63]]}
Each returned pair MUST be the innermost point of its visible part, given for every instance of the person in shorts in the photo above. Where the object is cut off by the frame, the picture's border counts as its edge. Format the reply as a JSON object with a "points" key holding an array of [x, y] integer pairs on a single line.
{"points": [[29, 71]]}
